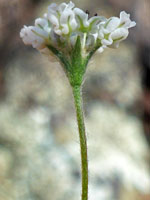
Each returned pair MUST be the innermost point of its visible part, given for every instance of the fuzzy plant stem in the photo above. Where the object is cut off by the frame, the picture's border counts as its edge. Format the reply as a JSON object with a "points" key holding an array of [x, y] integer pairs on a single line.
{"points": [[83, 143]]}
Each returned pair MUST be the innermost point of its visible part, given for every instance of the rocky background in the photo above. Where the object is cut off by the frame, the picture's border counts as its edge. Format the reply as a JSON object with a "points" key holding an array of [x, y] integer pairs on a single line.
{"points": [[39, 146]]}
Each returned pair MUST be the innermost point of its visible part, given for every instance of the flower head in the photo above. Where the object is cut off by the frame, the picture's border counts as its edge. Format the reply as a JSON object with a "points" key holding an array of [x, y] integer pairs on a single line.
{"points": [[69, 34], [64, 23]]}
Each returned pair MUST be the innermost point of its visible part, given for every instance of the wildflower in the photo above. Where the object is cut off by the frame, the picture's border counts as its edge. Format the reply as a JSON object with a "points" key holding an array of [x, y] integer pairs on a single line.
{"points": [[68, 34]]}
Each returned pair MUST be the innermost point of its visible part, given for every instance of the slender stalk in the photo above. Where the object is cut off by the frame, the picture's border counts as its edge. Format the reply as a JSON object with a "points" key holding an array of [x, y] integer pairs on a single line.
{"points": [[83, 143]]}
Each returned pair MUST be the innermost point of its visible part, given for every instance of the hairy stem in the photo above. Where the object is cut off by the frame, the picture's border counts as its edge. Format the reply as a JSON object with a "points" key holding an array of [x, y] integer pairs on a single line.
{"points": [[83, 143]]}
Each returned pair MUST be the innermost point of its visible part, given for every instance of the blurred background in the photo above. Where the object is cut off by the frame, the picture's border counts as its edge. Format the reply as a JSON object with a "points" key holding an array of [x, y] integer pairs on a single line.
{"points": [[39, 146]]}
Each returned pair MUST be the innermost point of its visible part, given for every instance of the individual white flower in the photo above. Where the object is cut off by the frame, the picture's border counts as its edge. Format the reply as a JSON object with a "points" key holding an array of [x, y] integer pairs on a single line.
{"points": [[84, 23], [115, 29], [37, 36], [30, 38], [62, 18]]}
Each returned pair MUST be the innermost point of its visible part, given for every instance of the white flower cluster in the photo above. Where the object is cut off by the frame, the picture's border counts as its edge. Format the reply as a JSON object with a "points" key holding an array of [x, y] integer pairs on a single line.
{"points": [[63, 23]]}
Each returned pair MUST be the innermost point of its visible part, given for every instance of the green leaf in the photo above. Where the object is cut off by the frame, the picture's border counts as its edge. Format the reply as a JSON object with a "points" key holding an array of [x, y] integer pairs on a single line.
{"points": [[77, 69], [76, 56]]}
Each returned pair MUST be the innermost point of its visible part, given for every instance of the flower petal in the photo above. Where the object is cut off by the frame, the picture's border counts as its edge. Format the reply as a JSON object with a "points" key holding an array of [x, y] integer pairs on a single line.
{"points": [[82, 17], [71, 5], [41, 22], [112, 24], [54, 20], [107, 42], [52, 8], [94, 22], [125, 20], [119, 34]]}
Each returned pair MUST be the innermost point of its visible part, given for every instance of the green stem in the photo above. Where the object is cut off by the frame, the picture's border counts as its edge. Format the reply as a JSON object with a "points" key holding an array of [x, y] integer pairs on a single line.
{"points": [[83, 144]]}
